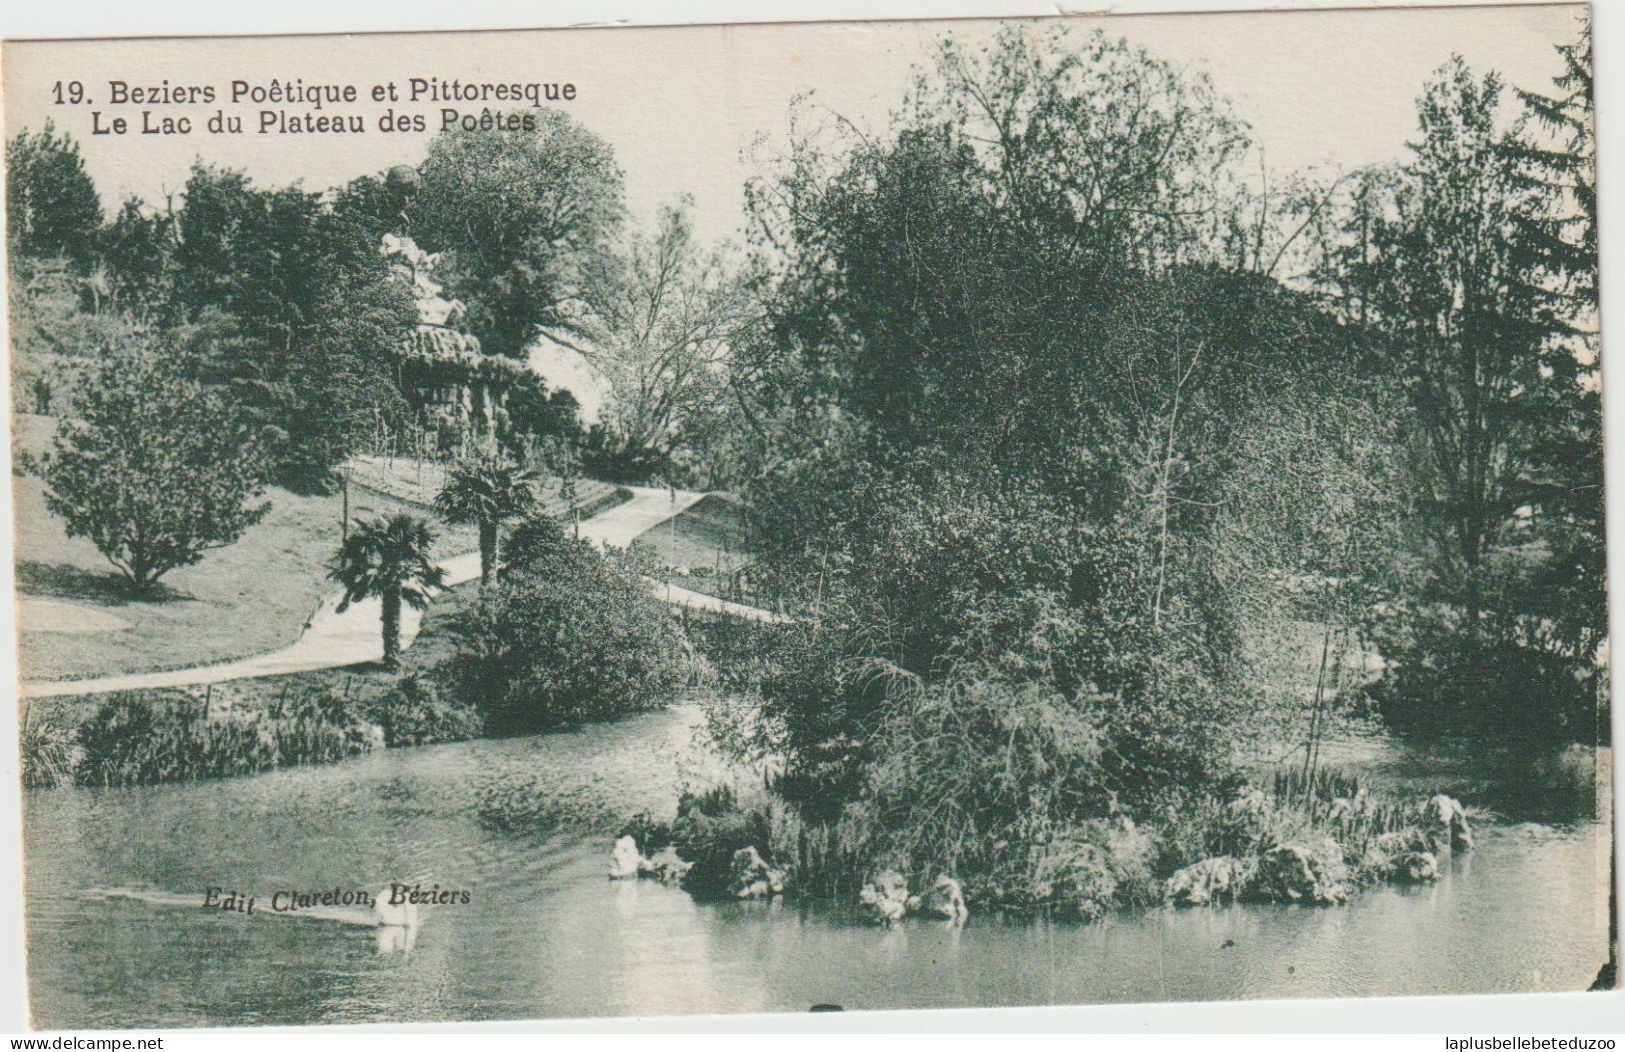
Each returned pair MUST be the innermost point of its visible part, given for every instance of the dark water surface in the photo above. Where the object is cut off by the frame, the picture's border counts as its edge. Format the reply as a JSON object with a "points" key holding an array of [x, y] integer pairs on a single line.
{"points": [[117, 938]]}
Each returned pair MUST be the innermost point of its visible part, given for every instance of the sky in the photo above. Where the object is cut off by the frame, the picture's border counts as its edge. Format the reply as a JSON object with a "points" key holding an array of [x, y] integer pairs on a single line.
{"points": [[682, 106]]}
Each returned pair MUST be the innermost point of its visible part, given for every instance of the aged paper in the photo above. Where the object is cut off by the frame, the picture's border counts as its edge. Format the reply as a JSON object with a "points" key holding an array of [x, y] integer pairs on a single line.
{"points": [[770, 518]]}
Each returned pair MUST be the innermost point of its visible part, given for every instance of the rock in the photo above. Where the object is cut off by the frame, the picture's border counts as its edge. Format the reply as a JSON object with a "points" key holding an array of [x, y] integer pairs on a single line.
{"points": [[946, 899], [1415, 867], [887, 895], [750, 877], [666, 866], [1447, 813], [625, 862], [1404, 840], [1312, 873], [1210, 880], [1407, 855]]}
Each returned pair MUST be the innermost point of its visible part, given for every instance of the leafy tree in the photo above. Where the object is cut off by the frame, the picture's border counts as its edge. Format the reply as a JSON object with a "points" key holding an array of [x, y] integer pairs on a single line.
{"points": [[138, 247], [52, 339], [942, 283], [301, 311], [564, 460], [519, 214], [51, 204], [1468, 293], [665, 314], [1015, 408], [1462, 293], [486, 489], [155, 469], [543, 414], [388, 558]]}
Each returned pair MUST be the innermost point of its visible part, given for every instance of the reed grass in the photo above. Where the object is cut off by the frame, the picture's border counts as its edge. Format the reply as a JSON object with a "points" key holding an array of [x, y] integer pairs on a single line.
{"points": [[48, 753], [134, 740]]}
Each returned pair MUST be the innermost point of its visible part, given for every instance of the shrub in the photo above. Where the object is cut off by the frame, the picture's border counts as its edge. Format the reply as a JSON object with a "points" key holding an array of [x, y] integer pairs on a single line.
{"points": [[965, 579], [710, 827], [135, 739], [414, 713], [567, 634], [1442, 685]]}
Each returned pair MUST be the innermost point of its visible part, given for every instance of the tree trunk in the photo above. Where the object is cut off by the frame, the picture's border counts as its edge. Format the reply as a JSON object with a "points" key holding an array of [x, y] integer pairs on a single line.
{"points": [[391, 601], [488, 552]]}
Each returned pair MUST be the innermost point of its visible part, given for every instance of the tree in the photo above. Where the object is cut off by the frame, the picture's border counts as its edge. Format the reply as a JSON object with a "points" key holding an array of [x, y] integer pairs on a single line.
{"points": [[563, 459], [665, 312], [1467, 293], [519, 213], [304, 314], [51, 204], [1559, 166], [1008, 382], [1555, 156], [387, 558], [52, 338], [486, 489], [1460, 294], [139, 247], [155, 469], [941, 284]]}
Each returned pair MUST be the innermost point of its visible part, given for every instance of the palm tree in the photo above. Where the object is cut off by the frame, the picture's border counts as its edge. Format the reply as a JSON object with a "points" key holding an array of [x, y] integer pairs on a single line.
{"points": [[486, 489], [388, 557]]}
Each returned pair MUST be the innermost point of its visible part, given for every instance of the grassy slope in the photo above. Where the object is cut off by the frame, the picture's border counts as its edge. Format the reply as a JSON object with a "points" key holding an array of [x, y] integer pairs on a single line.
{"points": [[433, 645], [709, 535], [251, 596]]}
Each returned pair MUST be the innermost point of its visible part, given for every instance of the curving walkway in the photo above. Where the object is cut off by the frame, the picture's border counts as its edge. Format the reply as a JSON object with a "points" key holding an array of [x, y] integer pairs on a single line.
{"points": [[332, 639]]}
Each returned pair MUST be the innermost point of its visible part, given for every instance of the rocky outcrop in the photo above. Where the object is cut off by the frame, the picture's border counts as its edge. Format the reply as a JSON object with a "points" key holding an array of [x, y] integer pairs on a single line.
{"points": [[1407, 855], [625, 861], [945, 898], [1218, 879], [886, 896], [1414, 867], [665, 866], [1448, 818], [751, 877], [1310, 873]]}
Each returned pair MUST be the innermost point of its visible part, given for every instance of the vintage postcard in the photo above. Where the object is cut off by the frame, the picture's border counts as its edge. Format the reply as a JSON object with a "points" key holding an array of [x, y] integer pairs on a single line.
{"points": [[804, 517]]}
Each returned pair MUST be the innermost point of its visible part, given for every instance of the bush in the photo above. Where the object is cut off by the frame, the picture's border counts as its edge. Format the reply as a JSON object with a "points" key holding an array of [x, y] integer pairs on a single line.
{"points": [[1440, 685], [133, 739], [951, 577], [414, 713], [568, 634]]}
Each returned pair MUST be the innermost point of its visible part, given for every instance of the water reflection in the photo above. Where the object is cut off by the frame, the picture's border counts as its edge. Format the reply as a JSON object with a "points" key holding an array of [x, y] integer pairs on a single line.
{"points": [[116, 938]]}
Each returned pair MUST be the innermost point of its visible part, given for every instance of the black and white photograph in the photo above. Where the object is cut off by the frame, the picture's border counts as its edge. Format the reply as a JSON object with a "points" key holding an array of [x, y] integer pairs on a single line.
{"points": [[636, 522]]}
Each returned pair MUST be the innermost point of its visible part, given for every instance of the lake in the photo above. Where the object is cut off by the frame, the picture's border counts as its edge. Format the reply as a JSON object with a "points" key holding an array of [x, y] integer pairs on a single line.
{"points": [[117, 937]]}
